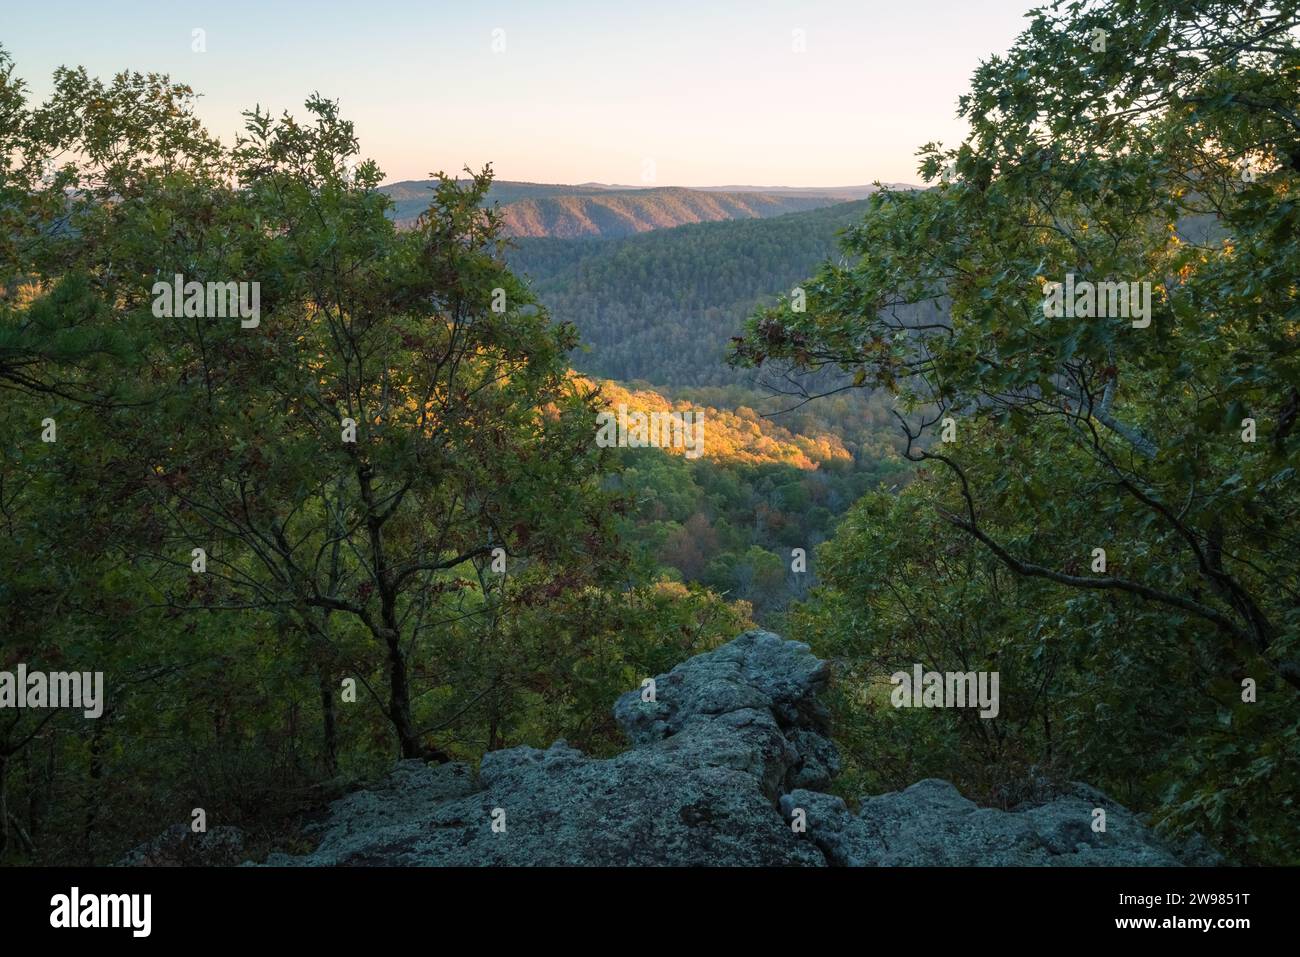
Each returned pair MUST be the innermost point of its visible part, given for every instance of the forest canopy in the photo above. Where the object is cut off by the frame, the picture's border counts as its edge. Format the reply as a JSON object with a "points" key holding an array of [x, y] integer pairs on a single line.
{"points": [[368, 521], [1107, 501], [313, 490]]}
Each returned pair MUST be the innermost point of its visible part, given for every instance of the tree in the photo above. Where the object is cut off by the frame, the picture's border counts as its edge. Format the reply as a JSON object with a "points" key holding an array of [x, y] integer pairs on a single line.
{"points": [[1165, 157], [400, 414], [1133, 470]]}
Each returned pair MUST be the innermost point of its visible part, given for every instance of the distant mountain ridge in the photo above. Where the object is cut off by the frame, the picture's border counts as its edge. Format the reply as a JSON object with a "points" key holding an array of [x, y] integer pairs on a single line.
{"points": [[599, 211], [845, 193], [616, 213]]}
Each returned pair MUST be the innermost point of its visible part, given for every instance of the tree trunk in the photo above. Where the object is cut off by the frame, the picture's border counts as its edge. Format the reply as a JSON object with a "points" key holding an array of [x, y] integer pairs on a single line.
{"points": [[399, 688], [329, 721], [92, 804], [42, 792], [4, 803], [399, 700]]}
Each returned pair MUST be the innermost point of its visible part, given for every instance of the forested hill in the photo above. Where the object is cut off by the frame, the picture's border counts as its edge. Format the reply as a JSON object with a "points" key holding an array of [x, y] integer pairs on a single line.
{"points": [[411, 197], [600, 212], [662, 306], [616, 214], [742, 436]]}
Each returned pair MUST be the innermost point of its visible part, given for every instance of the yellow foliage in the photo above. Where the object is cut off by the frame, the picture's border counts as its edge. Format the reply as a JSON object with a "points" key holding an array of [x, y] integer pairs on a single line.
{"points": [[731, 436]]}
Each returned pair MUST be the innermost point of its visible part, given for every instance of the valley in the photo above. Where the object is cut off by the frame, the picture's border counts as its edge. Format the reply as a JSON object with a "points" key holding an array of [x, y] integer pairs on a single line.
{"points": [[655, 295]]}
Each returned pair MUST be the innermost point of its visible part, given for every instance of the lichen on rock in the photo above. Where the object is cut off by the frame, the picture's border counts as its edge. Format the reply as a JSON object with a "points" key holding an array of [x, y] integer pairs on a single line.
{"points": [[734, 742]]}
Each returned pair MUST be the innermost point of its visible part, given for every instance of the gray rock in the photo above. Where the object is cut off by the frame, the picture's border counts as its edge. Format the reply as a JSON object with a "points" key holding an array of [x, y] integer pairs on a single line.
{"points": [[930, 823], [178, 846], [411, 791], [832, 829], [733, 746], [699, 787]]}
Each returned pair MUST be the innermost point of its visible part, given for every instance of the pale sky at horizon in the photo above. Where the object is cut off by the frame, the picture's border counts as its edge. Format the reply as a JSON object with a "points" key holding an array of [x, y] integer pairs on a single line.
{"points": [[711, 92]]}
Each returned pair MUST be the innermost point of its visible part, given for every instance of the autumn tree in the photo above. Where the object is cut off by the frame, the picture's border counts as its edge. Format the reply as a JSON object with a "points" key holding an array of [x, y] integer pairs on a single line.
{"points": [[1130, 464], [1152, 144]]}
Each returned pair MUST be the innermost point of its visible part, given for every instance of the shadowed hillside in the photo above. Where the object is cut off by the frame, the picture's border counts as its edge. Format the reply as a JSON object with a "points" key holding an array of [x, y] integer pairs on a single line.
{"points": [[662, 306]]}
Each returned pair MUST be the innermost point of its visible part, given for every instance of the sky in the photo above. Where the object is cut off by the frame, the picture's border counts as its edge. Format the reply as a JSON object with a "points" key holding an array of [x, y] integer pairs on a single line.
{"points": [[664, 93]]}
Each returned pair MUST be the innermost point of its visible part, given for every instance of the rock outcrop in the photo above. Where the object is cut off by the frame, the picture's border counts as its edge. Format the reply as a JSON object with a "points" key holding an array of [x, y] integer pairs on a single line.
{"points": [[733, 750], [930, 823], [179, 846]]}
